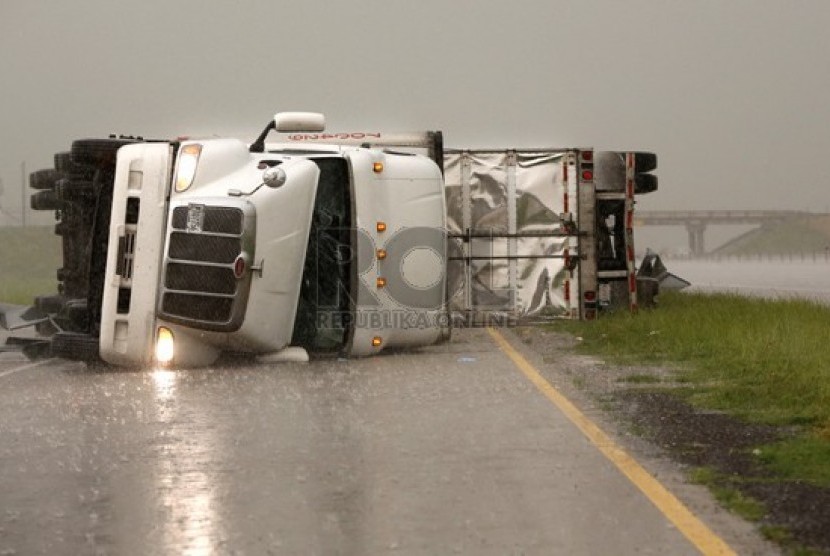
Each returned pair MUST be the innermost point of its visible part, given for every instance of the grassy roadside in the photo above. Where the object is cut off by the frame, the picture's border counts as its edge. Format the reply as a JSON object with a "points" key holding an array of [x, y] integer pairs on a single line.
{"points": [[765, 361], [29, 258], [760, 361]]}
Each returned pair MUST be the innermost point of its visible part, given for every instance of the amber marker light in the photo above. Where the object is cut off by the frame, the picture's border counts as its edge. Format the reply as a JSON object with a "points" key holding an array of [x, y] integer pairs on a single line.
{"points": [[376, 341], [377, 167], [381, 226], [381, 282], [381, 254]]}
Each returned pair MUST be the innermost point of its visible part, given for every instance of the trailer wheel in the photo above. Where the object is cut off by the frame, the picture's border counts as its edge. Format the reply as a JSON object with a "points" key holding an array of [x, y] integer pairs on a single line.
{"points": [[77, 347], [645, 162], [645, 183], [45, 200], [44, 179], [97, 152]]}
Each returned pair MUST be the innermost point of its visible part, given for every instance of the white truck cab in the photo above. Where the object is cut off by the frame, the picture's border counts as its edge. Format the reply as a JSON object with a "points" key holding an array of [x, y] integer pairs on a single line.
{"points": [[216, 248]]}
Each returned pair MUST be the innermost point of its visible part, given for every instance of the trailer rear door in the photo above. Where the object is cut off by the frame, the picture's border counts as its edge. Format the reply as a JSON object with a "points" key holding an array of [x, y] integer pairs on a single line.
{"points": [[515, 239]]}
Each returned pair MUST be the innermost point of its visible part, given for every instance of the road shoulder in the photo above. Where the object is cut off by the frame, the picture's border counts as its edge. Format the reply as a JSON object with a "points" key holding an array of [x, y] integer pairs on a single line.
{"points": [[592, 385]]}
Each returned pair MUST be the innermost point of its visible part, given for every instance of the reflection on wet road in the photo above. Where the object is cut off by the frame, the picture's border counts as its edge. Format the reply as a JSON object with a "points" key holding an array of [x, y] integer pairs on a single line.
{"points": [[449, 450], [186, 491]]}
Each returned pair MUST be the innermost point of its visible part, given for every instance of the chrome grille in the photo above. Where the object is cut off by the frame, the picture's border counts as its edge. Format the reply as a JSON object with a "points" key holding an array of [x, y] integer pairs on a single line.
{"points": [[197, 307], [220, 220], [200, 247], [208, 279], [200, 288]]}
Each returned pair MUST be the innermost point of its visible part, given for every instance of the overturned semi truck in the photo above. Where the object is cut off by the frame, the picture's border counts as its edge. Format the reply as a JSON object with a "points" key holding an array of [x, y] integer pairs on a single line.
{"points": [[178, 251]]}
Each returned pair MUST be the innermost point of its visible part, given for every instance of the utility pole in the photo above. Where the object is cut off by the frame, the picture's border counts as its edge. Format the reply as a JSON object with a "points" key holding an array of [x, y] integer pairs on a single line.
{"points": [[23, 193]]}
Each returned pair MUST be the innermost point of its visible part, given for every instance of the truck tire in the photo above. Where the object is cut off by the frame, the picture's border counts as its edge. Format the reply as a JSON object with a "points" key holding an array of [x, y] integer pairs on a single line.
{"points": [[74, 227], [66, 168], [72, 191], [63, 162], [70, 276], [62, 228], [45, 200], [68, 189], [44, 179], [97, 152], [49, 304], [80, 190], [77, 347], [75, 316]]}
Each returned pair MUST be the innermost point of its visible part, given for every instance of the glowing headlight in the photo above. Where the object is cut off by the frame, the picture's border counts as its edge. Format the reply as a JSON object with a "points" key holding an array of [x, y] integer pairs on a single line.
{"points": [[188, 161], [165, 347]]}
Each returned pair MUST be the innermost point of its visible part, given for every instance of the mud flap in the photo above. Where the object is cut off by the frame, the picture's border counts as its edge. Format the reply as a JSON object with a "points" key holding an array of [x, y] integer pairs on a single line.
{"points": [[654, 276]]}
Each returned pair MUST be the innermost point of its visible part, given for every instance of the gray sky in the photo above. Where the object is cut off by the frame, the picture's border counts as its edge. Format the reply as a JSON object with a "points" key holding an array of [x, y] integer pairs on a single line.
{"points": [[733, 96]]}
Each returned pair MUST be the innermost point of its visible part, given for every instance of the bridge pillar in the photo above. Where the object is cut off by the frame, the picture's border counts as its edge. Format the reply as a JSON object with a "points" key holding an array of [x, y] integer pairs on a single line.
{"points": [[696, 242]]}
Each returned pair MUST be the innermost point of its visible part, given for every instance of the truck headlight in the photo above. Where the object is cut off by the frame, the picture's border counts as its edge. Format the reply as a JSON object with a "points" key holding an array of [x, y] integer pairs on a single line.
{"points": [[188, 161], [165, 346]]}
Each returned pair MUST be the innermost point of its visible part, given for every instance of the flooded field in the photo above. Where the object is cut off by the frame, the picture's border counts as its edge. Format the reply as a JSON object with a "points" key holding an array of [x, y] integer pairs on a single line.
{"points": [[768, 278]]}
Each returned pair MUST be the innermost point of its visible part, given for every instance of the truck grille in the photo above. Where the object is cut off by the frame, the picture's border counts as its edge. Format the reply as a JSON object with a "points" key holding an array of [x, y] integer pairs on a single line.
{"points": [[208, 279], [221, 220], [197, 307], [200, 247], [200, 287]]}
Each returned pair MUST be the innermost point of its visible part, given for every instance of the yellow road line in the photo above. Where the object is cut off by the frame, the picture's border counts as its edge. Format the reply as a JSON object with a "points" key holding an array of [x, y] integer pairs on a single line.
{"points": [[695, 530]]}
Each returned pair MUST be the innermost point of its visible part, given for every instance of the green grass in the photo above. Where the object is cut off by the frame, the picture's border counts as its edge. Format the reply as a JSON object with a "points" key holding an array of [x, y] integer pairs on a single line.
{"points": [[784, 537], [758, 360], [725, 492], [766, 361], [805, 458], [730, 497], [29, 258], [640, 379], [776, 533]]}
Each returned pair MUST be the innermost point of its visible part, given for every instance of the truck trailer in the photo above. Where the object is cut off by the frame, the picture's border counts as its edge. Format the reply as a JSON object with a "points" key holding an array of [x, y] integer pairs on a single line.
{"points": [[177, 252]]}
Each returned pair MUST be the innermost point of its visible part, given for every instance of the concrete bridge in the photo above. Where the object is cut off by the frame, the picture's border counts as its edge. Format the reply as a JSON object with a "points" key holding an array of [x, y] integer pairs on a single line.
{"points": [[696, 221]]}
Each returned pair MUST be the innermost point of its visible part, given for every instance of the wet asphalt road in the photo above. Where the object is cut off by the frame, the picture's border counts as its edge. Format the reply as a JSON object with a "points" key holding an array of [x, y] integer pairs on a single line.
{"points": [[449, 450]]}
